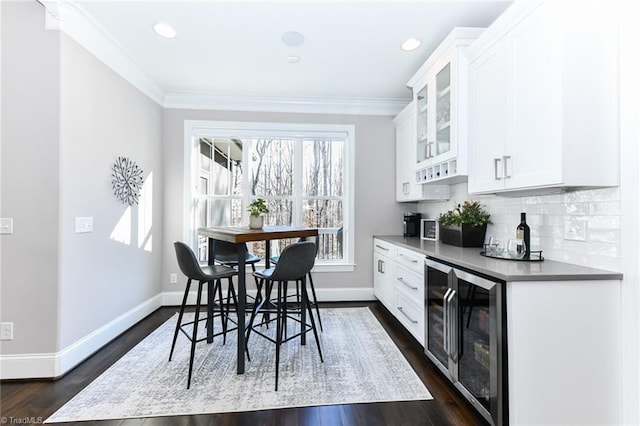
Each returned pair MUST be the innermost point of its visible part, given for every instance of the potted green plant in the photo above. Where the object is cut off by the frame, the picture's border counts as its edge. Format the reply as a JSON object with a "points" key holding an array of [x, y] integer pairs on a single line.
{"points": [[464, 226], [256, 210]]}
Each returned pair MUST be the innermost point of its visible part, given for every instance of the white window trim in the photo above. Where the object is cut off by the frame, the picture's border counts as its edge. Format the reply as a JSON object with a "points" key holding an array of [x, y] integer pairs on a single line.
{"points": [[196, 129]]}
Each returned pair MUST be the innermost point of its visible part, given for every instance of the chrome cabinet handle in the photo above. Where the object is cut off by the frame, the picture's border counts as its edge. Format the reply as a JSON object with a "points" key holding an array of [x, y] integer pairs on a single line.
{"points": [[412, 260], [381, 247], [504, 166], [405, 283], [407, 316], [495, 168]]}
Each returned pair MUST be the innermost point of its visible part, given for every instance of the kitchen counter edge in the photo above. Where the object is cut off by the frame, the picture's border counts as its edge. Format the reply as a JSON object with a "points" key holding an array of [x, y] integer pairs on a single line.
{"points": [[506, 270]]}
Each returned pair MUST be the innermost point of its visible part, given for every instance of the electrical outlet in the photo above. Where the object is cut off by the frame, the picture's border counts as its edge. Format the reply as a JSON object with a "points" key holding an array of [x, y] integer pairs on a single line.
{"points": [[6, 331], [6, 225], [84, 224], [173, 278]]}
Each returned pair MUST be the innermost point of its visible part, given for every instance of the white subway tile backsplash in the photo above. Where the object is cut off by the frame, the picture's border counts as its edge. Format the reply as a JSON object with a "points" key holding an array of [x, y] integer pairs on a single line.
{"points": [[577, 208], [609, 208], [580, 227], [604, 222], [605, 235]]}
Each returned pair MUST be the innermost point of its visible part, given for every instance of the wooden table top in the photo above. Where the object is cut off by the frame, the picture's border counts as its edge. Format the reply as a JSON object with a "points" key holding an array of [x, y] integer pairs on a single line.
{"points": [[244, 234]]}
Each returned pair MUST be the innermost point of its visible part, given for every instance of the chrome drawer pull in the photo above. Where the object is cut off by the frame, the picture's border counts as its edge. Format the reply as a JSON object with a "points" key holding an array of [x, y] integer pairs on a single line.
{"points": [[412, 260], [405, 283], [407, 316], [382, 248]]}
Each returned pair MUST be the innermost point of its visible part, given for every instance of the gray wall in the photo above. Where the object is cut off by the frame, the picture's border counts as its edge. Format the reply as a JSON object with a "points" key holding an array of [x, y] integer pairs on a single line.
{"points": [[66, 118], [30, 188], [376, 211]]}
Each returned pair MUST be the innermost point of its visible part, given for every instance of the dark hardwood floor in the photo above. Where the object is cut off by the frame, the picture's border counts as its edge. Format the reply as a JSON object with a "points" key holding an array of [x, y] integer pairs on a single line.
{"points": [[34, 401]]}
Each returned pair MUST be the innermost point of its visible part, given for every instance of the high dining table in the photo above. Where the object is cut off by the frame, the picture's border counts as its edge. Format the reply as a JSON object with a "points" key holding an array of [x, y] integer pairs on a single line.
{"points": [[240, 235]]}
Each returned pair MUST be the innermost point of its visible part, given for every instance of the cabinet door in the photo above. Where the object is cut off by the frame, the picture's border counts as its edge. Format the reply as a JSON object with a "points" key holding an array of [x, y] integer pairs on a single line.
{"points": [[383, 280], [534, 153], [488, 109], [406, 187]]}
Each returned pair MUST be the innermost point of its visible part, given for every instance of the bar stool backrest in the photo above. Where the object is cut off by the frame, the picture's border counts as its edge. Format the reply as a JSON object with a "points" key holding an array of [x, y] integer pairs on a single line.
{"points": [[188, 262], [295, 262], [228, 252]]}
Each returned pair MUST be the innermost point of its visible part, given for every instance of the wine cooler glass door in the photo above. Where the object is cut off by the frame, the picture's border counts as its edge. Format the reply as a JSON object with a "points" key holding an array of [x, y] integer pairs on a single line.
{"points": [[478, 347], [438, 280]]}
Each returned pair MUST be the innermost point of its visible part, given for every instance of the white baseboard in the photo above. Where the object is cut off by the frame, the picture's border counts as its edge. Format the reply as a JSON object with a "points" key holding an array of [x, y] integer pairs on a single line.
{"points": [[51, 365]]}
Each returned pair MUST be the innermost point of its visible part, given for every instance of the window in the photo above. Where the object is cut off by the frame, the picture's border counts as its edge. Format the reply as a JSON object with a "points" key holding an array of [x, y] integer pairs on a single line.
{"points": [[302, 171]]}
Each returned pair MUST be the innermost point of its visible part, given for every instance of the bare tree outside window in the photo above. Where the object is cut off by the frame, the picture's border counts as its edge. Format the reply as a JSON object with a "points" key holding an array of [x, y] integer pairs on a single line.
{"points": [[302, 181]]}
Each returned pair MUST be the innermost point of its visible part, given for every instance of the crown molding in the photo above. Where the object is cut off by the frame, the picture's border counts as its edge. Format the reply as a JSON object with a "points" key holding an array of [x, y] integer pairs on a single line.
{"points": [[310, 105], [70, 18]]}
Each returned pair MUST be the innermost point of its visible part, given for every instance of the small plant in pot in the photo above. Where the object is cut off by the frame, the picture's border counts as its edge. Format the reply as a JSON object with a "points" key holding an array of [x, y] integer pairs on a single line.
{"points": [[464, 226], [256, 210]]}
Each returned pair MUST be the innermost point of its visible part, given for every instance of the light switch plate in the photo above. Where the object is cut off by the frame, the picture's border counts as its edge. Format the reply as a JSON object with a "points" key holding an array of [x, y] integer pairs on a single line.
{"points": [[575, 228], [84, 224], [6, 225]]}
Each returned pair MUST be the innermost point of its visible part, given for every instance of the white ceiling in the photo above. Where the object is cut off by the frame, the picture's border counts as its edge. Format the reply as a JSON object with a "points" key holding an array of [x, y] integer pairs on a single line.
{"points": [[234, 48]]}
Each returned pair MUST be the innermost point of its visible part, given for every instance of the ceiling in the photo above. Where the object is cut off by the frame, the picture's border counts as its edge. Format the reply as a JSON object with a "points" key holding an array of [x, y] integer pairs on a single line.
{"points": [[351, 48]]}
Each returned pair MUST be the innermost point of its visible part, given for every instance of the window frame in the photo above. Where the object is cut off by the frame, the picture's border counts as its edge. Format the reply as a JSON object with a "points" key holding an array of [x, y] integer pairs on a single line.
{"points": [[196, 129]]}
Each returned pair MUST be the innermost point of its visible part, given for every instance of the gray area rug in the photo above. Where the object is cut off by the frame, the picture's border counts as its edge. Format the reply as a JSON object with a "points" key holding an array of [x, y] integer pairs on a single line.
{"points": [[361, 364]]}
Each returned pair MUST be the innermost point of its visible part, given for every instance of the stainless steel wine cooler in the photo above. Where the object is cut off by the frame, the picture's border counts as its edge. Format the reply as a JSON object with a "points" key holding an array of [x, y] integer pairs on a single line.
{"points": [[466, 335]]}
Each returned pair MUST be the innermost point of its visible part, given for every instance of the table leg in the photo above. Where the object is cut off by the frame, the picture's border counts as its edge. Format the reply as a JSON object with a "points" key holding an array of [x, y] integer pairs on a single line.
{"points": [[303, 311], [267, 254], [242, 297], [210, 295]]}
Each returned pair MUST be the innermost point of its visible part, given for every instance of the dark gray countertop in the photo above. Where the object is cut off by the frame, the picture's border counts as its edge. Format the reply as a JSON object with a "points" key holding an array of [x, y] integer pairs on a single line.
{"points": [[507, 270]]}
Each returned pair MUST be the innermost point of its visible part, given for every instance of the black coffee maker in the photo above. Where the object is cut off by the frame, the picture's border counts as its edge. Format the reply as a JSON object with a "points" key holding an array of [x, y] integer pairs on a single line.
{"points": [[412, 224]]}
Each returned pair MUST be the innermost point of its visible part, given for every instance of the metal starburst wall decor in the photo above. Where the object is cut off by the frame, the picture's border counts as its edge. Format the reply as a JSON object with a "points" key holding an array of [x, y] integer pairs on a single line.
{"points": [[126, 180]]}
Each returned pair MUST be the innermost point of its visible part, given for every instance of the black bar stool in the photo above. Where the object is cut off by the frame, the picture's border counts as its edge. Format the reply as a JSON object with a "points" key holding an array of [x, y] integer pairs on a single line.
{"points": [[226, 253], [314, 300], [294, 264], [212, 276]]}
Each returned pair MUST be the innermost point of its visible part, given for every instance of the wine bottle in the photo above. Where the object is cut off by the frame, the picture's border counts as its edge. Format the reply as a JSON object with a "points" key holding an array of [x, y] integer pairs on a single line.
{"points": [[524, 233]]}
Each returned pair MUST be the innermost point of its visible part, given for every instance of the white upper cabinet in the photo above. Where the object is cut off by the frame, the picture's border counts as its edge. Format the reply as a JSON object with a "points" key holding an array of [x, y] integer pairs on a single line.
{"points": [[440, 99], [406, 188], [543, 100]]}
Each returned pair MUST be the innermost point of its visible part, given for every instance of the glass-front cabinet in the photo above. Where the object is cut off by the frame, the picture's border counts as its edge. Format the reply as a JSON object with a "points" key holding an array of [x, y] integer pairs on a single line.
{"points": [[422, 124], [440, 90]]}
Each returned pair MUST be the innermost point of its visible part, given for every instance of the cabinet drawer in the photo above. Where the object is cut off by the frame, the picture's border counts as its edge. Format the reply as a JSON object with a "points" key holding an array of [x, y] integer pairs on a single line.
{"points": [[410, 283], [411, 259], [411, 315], [384, 248]]}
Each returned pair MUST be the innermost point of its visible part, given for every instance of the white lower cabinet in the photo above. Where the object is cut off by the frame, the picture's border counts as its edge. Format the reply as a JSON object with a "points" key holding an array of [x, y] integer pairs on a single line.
{"points": [[398, 282]]}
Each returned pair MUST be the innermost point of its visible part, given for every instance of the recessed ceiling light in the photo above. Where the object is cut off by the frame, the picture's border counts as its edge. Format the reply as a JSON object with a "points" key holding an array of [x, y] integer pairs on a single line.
{"points": [[164, 30], [292, 38], [410, 44]]}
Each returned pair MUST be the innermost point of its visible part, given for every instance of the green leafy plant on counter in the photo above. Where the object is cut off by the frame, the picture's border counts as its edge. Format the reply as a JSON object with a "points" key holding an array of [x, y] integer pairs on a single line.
{"points": [[257, 207], [468, 212]]}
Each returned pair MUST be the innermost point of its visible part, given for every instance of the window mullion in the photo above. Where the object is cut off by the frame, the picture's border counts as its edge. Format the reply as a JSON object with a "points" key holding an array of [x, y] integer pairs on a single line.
{"points": [[297, 182]]}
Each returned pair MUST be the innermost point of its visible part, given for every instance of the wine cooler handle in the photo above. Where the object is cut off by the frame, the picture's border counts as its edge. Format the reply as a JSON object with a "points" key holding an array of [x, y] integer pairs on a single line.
{"points": [[453, 320], [445, 320]]}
